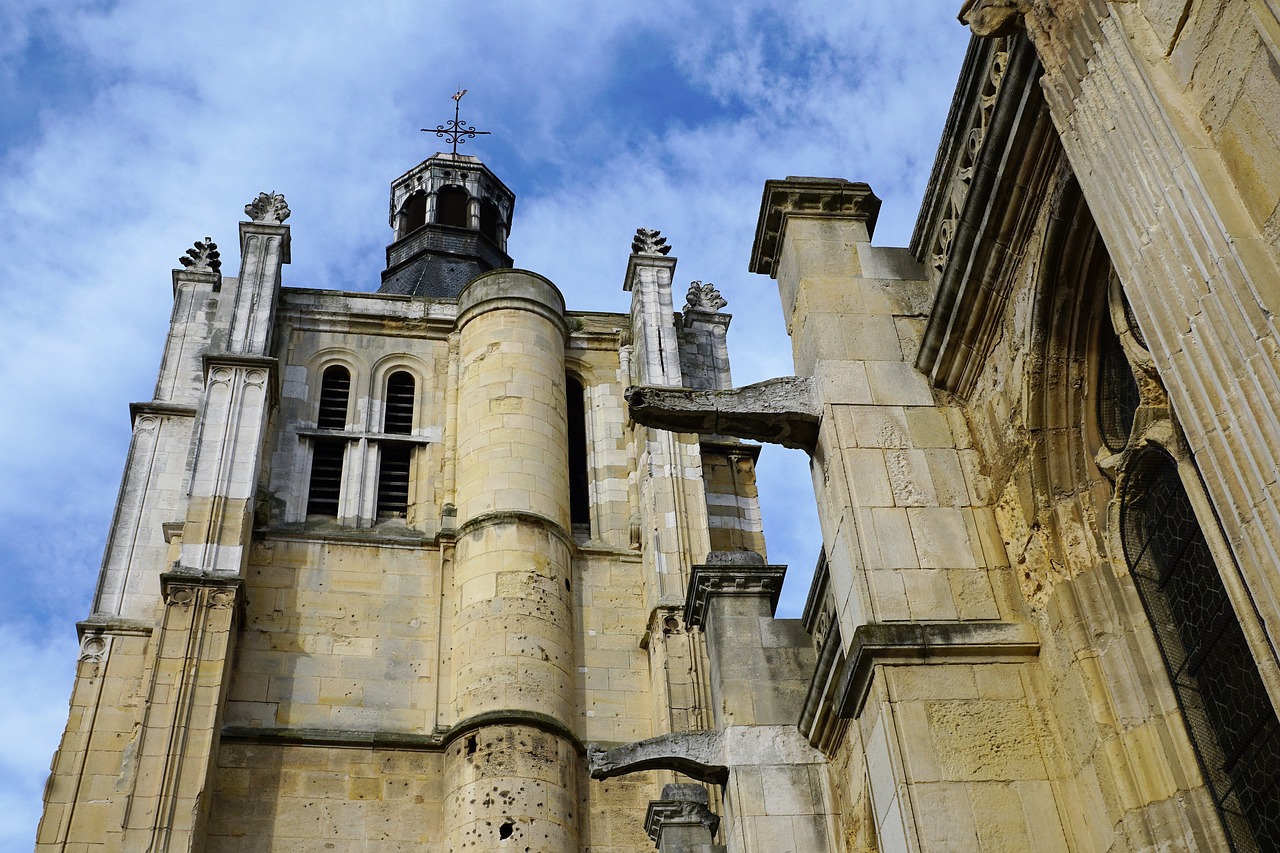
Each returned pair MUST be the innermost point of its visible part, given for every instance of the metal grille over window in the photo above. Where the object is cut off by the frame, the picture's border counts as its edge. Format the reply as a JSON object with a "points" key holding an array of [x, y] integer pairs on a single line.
{"points": [[1118, 395], [579, 482], [335, 391], [326, 477], [399, 404], [1231, 720], [393, 481]]}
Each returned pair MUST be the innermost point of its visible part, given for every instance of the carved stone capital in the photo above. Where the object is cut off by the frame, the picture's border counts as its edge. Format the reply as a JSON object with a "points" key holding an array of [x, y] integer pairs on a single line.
{"points": [[268, 208], [993, 18], [203, 256], [832, 198], [733, 574], [703, 298], [682, 805], [187, 588], [649, 241]]}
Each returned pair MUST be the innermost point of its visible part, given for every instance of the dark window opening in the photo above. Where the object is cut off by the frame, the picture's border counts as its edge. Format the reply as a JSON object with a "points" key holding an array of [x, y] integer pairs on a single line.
{"points": [[1229, 716], [579, 499], [451, 206], [335, 391], [413, 215], [393, 481], [1118, 395], [326, 477], [398, 419], [490, 221]]}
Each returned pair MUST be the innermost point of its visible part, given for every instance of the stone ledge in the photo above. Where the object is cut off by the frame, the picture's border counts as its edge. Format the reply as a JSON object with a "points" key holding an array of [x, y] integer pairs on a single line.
{"points": [[333, 737], [913, 643], [515, 516], [529, 719]]}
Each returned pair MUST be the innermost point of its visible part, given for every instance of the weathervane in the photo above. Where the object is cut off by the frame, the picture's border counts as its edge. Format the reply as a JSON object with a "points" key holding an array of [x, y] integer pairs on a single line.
{"points": [[455, 130]]}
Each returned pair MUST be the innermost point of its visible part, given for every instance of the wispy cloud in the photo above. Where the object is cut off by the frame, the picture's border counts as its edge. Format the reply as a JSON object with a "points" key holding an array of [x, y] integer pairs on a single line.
{"points": [[135, 127]]}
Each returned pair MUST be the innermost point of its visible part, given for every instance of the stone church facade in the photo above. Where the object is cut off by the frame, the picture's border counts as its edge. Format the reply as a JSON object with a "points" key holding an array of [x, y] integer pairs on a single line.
{"points": [[449, 567]]}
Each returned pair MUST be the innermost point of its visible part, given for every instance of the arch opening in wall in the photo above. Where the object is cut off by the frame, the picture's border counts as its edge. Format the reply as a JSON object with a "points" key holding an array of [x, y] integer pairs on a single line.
{"points": [[451, 206], [413, 213], [1229, 716], [491, 222], [395, 458], [579, 479], [335, 397]]}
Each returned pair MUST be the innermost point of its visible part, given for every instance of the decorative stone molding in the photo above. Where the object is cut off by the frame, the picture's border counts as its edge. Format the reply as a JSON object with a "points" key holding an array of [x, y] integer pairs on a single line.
{"points": [[993, 18], [833, 198], [703, 298], [738, 573], [682, 805], [268, 208], [204, 255], [182, 587], [915, 643], [779, 411], [649, 241], [698, 755]]}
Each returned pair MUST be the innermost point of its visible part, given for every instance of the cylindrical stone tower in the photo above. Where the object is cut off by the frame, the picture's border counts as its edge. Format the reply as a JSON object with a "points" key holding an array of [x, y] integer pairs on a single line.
{"points": [[512, 768]]}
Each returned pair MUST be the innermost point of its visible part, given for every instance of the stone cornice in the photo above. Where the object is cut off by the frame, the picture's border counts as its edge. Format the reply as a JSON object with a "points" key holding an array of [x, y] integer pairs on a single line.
{"points": [[740, 579], [826, 198], [915, 643], [159, 410]]}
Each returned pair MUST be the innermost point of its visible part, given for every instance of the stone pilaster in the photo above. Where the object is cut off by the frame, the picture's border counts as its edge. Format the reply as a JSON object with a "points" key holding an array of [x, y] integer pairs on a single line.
{"points": [[672, 496], [512, 767]]}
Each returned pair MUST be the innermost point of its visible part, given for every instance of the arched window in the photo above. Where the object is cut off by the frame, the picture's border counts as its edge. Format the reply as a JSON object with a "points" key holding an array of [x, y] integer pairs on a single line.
{"points": [[490, 221], [325, 487], [413, 215], [451, 206], [335, 394], [395, 457], [1118, 395], [576, 412], [399, 404], [1229, 716]]}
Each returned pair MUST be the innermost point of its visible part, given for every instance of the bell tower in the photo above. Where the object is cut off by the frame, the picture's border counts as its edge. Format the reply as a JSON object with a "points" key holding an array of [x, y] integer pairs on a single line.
{"points": [[451, 217]]}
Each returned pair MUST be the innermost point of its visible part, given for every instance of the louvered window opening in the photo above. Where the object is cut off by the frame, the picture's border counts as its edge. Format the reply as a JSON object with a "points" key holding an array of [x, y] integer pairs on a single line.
{"points": [[1118, 395], [399, 404], [1230, 718], [393, 480], [579, 483], [335, 391], [326, 477]]}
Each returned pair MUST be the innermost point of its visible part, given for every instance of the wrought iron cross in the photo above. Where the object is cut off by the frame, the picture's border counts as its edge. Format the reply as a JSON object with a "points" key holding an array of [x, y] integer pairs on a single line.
{"points": [[455, 130]]}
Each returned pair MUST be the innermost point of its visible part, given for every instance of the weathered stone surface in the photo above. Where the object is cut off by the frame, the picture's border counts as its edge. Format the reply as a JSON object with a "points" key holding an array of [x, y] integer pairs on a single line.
{"points": [[781, 411]]}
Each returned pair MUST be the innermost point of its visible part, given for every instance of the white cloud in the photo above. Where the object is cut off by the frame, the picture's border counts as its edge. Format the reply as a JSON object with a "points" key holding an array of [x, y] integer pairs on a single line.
{"points": [[180, 117]]}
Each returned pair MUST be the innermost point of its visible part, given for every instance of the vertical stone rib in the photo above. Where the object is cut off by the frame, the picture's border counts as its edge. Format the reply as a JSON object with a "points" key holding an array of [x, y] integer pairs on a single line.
{"points": [[512, 770]]}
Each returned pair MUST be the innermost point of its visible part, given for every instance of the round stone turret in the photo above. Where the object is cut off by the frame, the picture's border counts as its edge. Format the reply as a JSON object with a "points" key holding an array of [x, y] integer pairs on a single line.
{"points": [[512, 767]]}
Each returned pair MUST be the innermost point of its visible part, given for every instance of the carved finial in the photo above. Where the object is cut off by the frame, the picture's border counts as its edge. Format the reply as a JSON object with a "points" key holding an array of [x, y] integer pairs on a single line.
{"points": [[703, 297], [649, 242], [203, 255], [269, 208]]}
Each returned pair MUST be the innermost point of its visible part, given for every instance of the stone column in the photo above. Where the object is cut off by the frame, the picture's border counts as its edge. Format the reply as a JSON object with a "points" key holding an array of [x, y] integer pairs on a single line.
{"points": [[512, 767]]}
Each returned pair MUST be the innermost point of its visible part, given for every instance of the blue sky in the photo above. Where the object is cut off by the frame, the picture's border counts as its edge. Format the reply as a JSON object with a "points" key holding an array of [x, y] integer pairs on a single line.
{"points": [[130, 129]]}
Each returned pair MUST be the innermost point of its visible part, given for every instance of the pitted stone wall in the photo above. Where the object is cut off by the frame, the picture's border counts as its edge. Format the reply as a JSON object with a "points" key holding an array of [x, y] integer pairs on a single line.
{"points": [[281, 799], [339, 636]]}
